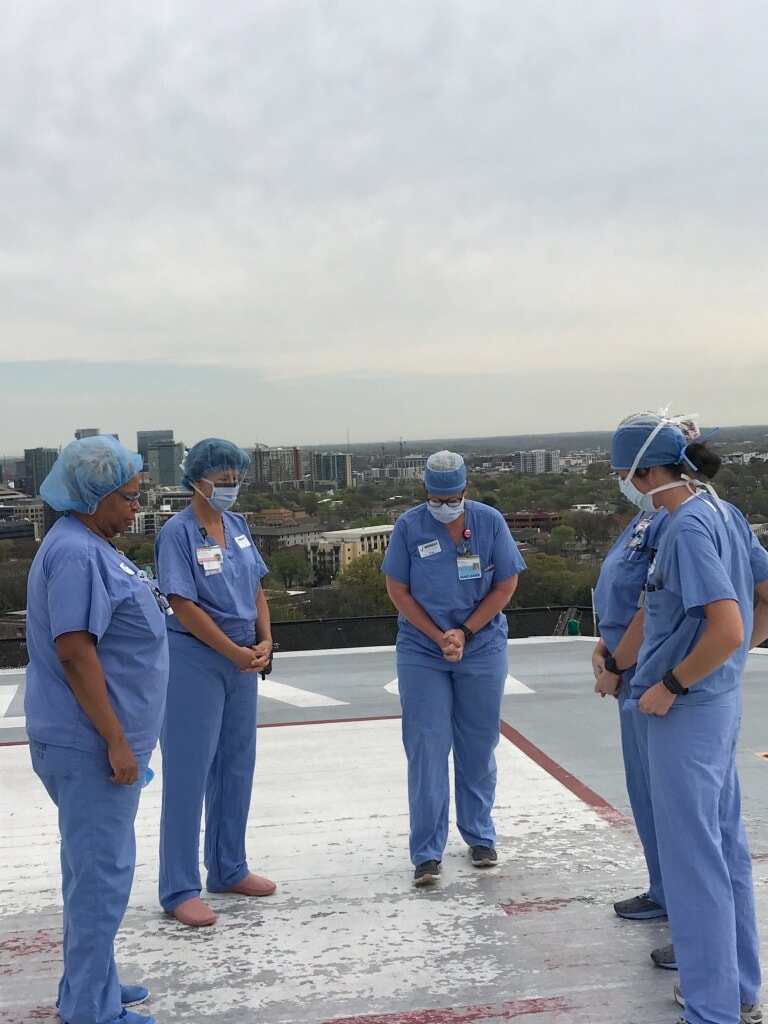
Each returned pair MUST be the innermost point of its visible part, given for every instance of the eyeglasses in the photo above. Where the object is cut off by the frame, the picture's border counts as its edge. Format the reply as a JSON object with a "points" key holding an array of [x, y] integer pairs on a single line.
{"points": [[132, 499], [450, 502]]}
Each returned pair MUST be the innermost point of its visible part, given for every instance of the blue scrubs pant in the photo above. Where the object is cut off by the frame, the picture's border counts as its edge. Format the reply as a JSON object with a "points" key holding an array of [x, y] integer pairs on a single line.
{"points": [[208, 741], [633, 726], [457, 707], [98, 857], [705, 857]]}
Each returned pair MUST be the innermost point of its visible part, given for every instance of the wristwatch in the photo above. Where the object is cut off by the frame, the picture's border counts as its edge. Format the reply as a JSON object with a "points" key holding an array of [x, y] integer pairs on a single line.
{"points": [[673, 684], [468, 634], [611, 666]]}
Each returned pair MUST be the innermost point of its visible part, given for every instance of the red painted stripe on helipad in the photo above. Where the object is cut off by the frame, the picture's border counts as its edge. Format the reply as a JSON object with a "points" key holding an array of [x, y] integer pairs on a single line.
{"points": [[555, 1006], [564, 777]]}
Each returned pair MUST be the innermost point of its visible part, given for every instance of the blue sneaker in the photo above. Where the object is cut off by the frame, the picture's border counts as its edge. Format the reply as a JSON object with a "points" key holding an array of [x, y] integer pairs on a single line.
{"points": [[129, 1017], [130, 995], [639, 908], [664, 957]]}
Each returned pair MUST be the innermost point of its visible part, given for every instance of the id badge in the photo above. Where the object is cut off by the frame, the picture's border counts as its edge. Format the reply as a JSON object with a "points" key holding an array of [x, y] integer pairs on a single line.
{"points": [[210, 558], [468, 567], [242, 541]]}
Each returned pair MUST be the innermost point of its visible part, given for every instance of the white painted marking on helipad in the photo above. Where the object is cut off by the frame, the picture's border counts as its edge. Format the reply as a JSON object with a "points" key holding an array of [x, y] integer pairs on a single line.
{"points": [[294, 696], [7, 695], [512, 685]]}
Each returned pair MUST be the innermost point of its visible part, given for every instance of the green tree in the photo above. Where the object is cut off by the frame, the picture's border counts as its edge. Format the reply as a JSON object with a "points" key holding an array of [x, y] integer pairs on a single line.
{"points": [[6, 550], [290, 567], [362, 587]]}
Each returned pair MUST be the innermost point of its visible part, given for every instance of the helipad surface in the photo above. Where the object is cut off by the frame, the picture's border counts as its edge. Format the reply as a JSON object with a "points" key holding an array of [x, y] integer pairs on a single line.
{"points": [[347, 939]]}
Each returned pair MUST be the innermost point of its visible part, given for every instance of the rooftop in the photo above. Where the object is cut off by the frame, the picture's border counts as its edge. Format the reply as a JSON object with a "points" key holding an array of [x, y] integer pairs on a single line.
{"points": [[347, 939]]}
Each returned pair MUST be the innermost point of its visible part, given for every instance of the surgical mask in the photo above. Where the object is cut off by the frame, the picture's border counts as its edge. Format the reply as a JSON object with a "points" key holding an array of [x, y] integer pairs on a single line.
{"points": [[446, 513], [222, 498], [643, 501]]}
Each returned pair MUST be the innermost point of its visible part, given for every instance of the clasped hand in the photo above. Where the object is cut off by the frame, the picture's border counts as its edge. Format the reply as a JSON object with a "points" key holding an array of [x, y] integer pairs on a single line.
{"points": [[255, 658], [452, 644]]}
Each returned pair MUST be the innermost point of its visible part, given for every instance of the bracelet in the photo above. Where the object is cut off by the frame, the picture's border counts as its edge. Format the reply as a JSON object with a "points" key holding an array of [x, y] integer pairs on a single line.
{"points": [[673, 684], [611, 666]]}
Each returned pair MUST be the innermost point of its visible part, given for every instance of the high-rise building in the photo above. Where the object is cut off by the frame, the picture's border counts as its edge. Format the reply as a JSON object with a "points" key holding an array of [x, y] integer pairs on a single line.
{"points": [[82, 432], [271, 467], [37, 465], [331, 469], [144, 438], [163, 463]]}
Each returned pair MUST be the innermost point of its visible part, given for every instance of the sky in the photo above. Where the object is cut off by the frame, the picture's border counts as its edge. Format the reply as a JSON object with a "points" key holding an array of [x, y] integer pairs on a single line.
{"points": [[302, 221]]}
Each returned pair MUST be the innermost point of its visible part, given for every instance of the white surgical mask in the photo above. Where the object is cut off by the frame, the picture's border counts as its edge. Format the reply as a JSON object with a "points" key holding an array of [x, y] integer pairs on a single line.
{"points": [[446, 514], [222, 498], [643, 501]]}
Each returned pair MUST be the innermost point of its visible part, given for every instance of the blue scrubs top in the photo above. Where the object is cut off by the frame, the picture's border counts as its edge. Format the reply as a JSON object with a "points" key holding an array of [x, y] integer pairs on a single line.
{"points": [[79, 582], [229, 596], [702, 558], [422, 555], [623, 574]]}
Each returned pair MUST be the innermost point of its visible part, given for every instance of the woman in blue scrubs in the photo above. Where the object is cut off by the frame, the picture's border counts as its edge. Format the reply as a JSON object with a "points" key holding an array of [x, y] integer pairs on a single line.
{"points": [[219, 640], [96, 681], [698, 626], [451, 567], [616, 598]]}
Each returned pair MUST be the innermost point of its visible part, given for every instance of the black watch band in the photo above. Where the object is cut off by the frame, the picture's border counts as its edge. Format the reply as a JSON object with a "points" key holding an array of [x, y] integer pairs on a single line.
{"points": [[468, 634], [611, 666], [673, 684]]}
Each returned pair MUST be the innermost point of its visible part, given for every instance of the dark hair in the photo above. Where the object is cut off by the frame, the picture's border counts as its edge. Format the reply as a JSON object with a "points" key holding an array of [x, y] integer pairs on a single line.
{"points": [[706, 461]]}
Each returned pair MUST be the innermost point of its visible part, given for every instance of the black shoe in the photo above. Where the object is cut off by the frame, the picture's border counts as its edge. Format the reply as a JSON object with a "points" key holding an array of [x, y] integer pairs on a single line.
{"points": [[664, 957], [483, 856], [639, 908], [427, 873]]}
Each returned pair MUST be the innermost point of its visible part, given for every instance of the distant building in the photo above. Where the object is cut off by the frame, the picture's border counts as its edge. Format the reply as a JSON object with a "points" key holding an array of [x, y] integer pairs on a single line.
{"points": [[275, 529], [82, 432], [38, 463], [330, 469], [144, 438], [275, 467], [163, 463], [537, 520], [337, 548]]}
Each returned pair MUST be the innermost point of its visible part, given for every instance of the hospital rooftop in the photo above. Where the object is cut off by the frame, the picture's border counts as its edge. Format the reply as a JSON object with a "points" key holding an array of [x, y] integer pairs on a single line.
{"points": [[347, 939]]}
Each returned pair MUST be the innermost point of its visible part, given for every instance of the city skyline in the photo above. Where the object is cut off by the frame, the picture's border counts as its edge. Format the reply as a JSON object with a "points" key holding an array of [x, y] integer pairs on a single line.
{"points": [[381, 220]]}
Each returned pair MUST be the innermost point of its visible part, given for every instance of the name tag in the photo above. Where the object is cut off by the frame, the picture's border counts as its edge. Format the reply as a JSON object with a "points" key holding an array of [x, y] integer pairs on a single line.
{"points": [[210, 558], [468, 567], [432, 547], [128, 569], [242, 541]]}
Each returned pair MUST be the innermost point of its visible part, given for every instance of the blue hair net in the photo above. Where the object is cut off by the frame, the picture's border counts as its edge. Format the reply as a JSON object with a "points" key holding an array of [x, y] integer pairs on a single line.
{"points": [[87, 471], [445, 474], [211, 456], [666, 449]]}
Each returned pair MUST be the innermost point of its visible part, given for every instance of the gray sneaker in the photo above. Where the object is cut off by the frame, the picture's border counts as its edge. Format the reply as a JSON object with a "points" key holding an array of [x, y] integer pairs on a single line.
{"points": [[751, 1013], [639, 908], [664, 956], [427, 873]]}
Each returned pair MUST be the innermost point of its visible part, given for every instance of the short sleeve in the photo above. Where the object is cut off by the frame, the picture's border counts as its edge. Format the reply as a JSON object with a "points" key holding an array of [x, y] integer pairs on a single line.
{"points": [[701, 577], [397, 560], [78, 596], [174, 562], [507, 560]]}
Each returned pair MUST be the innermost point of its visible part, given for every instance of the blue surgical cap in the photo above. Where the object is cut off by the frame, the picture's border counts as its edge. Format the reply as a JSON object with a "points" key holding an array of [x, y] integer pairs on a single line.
{"points": [[211, 456], [666, 448], [87, 471], [445, 474]]}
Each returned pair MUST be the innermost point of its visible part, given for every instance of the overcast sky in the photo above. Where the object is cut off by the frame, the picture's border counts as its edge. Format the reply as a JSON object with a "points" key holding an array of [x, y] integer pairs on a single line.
{"points": [[295, 221]]}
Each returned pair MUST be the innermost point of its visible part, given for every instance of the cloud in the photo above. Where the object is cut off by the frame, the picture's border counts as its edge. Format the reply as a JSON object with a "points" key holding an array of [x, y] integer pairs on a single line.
{"points": [[307, 195]]}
